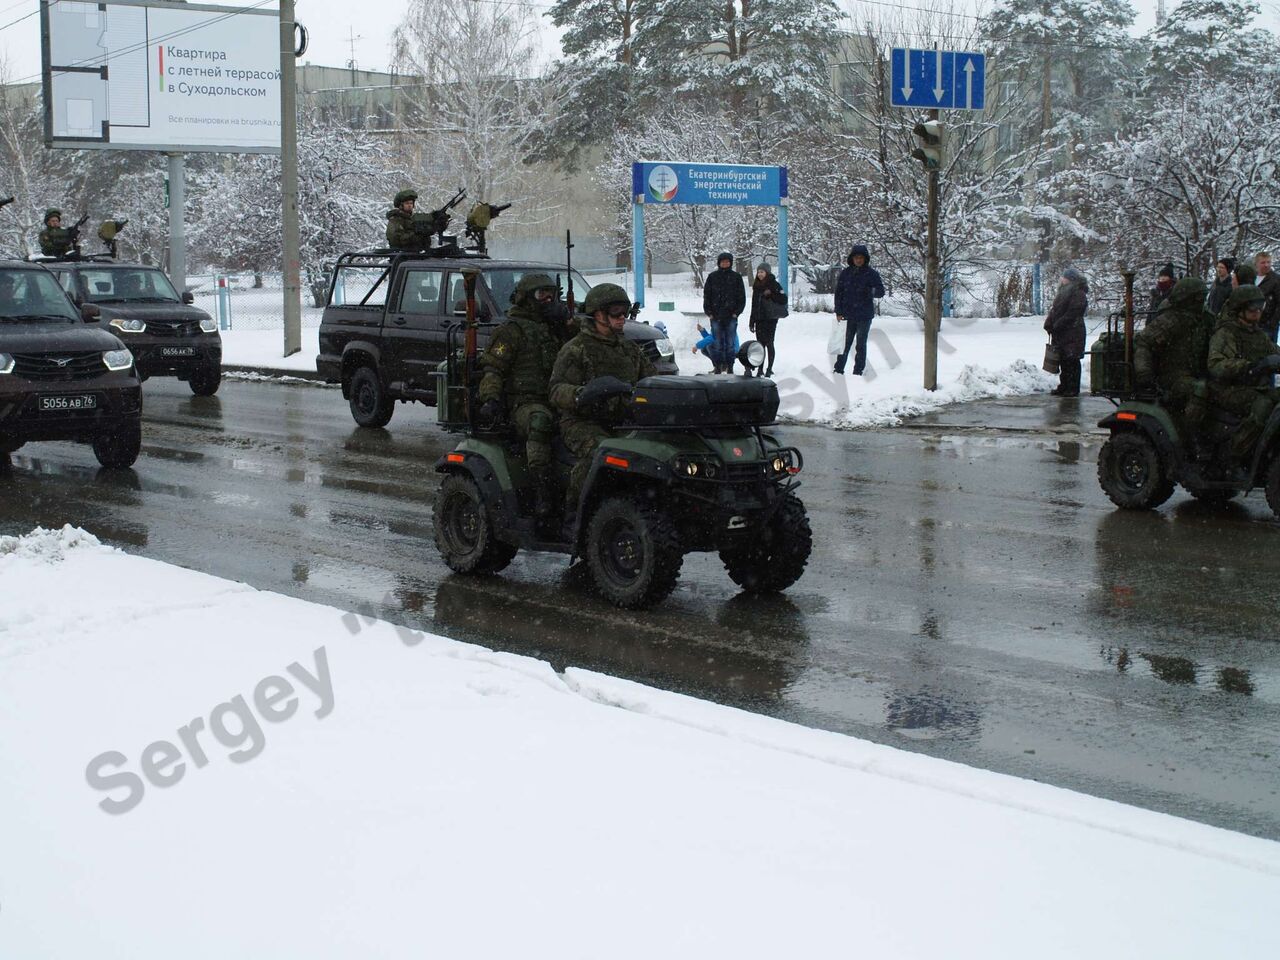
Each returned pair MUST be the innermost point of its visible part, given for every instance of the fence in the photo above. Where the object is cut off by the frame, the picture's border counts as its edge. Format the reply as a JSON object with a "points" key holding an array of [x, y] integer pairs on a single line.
{"points": [[237, 303]]}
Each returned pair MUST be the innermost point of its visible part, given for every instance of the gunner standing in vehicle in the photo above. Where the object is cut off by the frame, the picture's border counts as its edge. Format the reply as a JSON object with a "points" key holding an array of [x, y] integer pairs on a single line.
{"points": [[1242, 360], [400, 232], [599, 353], [517, 370], [724, 297], [55, 239]]}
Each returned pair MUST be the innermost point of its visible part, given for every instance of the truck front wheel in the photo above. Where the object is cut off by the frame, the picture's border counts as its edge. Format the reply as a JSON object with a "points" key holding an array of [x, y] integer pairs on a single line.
{"points": [[120, 449]]}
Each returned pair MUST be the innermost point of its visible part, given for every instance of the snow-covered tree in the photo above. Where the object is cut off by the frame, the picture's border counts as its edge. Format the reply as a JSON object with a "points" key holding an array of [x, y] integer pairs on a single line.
{"points": [[1206, 40], [1194, 181]]}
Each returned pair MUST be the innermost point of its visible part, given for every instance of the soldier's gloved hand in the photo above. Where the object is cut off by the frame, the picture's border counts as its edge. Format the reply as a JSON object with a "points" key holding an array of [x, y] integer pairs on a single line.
{"points": [[1269, 364], [492, 412], [592, 397]]}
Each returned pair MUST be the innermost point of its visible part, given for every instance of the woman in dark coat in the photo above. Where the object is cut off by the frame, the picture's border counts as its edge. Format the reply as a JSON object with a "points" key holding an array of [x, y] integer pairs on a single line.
{"points": [[1065, 325], [1222, 285], [767, 301]]}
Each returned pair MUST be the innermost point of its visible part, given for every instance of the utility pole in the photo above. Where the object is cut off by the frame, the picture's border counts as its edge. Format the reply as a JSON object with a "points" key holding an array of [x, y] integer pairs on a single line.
{"points": [[177, 225], [929, 135], [289, 183]]}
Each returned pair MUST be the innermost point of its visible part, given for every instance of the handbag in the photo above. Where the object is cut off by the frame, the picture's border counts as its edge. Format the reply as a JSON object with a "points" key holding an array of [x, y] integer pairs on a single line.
{"points": [[835, 341], [1052, 359], [777, 309]]}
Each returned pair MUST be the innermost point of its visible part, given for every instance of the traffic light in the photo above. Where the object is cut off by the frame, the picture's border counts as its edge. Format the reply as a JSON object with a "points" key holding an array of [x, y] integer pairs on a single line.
{"points": [[929, 137]]}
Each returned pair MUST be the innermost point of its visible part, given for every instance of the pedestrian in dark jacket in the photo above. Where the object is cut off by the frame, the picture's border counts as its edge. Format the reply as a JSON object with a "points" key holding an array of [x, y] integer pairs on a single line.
{"points": [[857, 290], [1222, 285], [724, 297], [1164, 286], [1065, 326], [1269, 284], [767, 304]]}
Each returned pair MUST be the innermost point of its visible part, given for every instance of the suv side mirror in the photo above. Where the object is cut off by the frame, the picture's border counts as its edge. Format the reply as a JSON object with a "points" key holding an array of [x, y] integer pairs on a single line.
{"points": [[188, 297], [90, 312]]}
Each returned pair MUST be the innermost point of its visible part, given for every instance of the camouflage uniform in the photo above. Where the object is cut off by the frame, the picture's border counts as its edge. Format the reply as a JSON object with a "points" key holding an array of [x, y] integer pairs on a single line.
{"points": [[1236, 346], [1170, 351], [400, 232], [517, 368], [55, 241], [589, 355]]}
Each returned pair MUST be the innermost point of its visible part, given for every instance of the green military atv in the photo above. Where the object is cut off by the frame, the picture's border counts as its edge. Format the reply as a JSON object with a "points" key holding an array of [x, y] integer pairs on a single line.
{"points": [[691, 469], [1152, 449]]}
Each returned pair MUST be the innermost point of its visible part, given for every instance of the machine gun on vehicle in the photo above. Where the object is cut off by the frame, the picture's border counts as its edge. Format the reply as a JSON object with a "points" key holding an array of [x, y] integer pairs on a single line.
{"points": [[73, 234], [108, 232], [432, 224], [478, 220]]}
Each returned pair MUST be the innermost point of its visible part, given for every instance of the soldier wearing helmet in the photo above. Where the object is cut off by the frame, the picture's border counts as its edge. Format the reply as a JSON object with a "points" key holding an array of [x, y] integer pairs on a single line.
{"points": [[400, 231], [591, 374], [1242, 361], [55, 239], [517, 370]]}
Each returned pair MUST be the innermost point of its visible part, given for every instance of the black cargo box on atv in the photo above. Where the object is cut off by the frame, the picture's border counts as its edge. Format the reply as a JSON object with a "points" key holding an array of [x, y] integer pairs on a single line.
{"points": [[704, 402]]}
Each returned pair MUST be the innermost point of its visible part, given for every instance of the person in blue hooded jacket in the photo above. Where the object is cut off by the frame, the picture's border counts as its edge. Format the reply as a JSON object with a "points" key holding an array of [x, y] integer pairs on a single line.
{"points": [[857, 290]]}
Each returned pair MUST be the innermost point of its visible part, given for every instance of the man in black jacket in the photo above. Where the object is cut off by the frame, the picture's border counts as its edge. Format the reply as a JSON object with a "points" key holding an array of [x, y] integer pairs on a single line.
{"points": [[1269, 284], [724, 297]]}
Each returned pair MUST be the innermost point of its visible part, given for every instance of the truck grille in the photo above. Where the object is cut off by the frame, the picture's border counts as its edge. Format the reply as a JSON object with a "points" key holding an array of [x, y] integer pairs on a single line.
{"points": [[59, 367], [183, 328]]}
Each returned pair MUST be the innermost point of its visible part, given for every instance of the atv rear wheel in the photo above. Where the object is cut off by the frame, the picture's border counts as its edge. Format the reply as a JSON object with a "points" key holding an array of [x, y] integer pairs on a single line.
{"points": [[370, 405], [776, 557], [1131, 473], [633, 552], [464, 534]]}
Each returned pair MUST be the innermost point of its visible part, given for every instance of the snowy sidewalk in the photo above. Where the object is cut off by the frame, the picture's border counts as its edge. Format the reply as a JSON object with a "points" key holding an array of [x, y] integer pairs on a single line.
{"points": [[293, 781]]}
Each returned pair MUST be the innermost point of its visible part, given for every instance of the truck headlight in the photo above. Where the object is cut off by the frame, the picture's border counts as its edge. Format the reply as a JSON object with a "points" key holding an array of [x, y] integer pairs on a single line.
{"points": [[209, 325], [665, 348], [129, 326], [6, 363], [118, 359]]}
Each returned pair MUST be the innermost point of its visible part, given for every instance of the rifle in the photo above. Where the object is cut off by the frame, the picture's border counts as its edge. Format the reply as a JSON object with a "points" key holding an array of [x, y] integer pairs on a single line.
{"points": [[568, 270]]}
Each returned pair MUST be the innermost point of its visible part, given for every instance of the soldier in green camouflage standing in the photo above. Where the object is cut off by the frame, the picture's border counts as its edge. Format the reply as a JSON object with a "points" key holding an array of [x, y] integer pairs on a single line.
{"points": [[589, 368], [400, 232], [55, 239], [1242, 360], [517, 369]]}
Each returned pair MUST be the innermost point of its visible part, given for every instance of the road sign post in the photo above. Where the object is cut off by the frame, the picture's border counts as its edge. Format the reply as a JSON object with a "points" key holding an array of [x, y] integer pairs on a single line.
{"points": [[932, 289]]}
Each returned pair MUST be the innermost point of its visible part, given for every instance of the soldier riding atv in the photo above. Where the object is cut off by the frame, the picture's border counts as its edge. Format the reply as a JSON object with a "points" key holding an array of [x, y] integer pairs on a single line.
{"points": [[1193, 410], [687, 466]]}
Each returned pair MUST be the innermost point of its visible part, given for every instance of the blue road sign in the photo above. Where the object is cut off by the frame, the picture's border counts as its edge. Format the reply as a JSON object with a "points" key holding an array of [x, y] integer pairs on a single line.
{"points": [[938, 79], [717, 184]]}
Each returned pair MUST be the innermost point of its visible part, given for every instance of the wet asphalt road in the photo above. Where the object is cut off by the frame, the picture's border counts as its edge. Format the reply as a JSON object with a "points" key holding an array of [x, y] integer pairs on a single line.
{"points": [[972, 595]]}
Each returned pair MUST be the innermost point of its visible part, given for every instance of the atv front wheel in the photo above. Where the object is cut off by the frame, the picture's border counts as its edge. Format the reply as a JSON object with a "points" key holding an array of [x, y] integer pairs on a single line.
{"points": [[1132, 474], [776, 557], [464, 534], [370, 405], [633, 552]]}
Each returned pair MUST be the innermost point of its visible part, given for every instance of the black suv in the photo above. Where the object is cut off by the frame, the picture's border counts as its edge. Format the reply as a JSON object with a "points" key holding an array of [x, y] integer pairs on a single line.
{"points": [[384, 331], [167, 335], [61, 379]]}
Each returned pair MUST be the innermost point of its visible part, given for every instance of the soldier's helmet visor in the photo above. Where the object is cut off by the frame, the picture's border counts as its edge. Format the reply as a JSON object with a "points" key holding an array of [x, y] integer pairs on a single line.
{"points": [[617, 310]]}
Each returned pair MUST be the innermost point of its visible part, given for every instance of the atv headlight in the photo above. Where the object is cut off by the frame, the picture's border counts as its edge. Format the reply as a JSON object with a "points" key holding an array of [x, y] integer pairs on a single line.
{"points": [[783, 463], [118, 359], [129, 326], [6, 363], [208, 325], [665, 348], [696, 468]]}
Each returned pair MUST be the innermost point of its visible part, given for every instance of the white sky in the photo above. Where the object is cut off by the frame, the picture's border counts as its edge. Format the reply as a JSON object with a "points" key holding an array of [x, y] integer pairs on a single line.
{"points": [[332, 22]]}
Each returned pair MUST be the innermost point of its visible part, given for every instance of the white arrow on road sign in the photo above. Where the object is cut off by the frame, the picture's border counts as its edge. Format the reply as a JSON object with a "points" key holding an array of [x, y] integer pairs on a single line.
{"points": [[968, 83], [938, 88]]}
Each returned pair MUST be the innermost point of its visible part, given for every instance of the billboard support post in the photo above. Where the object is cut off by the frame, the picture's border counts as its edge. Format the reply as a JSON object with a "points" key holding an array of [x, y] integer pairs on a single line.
{"points": [[289, 183], [177, 227]]}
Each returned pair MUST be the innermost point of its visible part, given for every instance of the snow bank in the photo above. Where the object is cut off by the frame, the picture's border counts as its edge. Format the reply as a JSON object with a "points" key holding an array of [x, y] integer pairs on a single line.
{"points": [[306, 782]]}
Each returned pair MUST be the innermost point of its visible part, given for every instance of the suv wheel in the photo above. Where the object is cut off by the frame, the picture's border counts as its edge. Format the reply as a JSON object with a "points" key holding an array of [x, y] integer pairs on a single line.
{"points": [[1131, 472], [464, 534], [776, 556], [119, 449], [205, 381], [370, 405], [633, 552]]}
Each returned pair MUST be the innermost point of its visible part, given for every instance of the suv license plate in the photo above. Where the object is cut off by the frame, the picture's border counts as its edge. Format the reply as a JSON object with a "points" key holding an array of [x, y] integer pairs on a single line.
{"points": [[177, 351], [88, 402]]}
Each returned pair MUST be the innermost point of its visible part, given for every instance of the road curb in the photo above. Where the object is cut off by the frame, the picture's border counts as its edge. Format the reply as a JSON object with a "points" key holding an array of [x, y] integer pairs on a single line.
{"points": [[273, 373]]}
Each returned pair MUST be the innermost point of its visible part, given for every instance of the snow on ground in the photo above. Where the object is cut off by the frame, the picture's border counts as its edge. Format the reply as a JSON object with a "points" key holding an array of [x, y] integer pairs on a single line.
{"points": [[339, 787], [262, 349]]}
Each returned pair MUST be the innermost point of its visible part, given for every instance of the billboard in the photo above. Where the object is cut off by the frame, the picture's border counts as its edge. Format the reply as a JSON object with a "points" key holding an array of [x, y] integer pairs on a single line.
{"points": [[714, 184], [152, 75]]}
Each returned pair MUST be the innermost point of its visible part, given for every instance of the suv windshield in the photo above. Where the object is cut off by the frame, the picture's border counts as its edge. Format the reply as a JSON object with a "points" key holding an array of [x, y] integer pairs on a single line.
{"points": [[502, 282], [33, 295], [117, 286]]}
